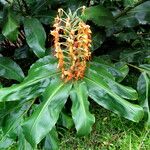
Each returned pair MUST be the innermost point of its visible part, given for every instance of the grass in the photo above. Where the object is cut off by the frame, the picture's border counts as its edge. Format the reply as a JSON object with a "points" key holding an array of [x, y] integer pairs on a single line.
{"points": [[110, 132]]}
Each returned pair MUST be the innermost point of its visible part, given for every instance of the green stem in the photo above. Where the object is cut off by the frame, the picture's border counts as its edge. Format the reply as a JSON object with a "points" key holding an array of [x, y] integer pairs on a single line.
{"points": [[133, 66]]}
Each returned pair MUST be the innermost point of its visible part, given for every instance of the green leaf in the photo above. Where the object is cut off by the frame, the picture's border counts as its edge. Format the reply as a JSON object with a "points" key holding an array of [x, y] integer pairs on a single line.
{"points": [[106, 67], [97, 39], [35, 36], [129, 2], [46, 114], [39, 77], [122, 91], [22, 52], [65, 120], [146, 67], [22, 142], [81, 115], [126, 36], [10, 124], [124, 69], [10, 70], [143, 87], [51, 141], [138, 15], [102, 93], [47, 17], [127, 21], [100, 15], [6, 143], [129, 56], [10, 28], [142, 12]]}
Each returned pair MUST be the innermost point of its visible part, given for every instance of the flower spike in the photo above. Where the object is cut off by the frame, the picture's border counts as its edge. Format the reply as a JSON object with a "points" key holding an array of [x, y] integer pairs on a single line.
{"points": [[72, 42]]}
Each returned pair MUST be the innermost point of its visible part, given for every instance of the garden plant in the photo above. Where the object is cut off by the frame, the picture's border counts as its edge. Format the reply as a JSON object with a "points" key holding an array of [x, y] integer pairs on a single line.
{"points": [[58, 57]]}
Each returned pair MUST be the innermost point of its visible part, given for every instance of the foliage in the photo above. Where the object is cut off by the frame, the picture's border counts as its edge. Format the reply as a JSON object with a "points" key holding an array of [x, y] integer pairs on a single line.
{"points": [[37, 101]]}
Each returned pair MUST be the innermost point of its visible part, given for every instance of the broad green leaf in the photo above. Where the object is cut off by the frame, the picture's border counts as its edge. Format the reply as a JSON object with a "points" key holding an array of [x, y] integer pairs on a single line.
{"points": [[38, 7], [127, 21], [142, 12], [51, 141], [122, 91], [124, 69], [81, 115], [10, 124], [22, 142], [146, 67], [126, 36], [6, 143], [65, 120], [1, 85], [104, 95], [138, 15], [3, 2], [100, 15], [129, 2], [46, 114], [39, 77], [147, 59], [97, 39], [131, 55], [143, 87], [10, 28], [22, 53], [10, 70], [106, 67], [1, 18], [47, 17], [35, 36]]}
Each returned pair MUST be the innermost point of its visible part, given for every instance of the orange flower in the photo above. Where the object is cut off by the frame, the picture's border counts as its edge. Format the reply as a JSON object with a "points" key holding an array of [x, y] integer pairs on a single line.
{"points": [[72, 42]]}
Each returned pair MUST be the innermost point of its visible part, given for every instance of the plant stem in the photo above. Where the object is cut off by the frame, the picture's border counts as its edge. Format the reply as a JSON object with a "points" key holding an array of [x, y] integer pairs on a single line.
{"points": [[133, 66], [126, 10]]}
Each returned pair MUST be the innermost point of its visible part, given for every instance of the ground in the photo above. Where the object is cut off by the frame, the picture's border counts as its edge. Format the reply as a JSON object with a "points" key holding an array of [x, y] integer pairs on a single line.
{"points": [[110, 132]]}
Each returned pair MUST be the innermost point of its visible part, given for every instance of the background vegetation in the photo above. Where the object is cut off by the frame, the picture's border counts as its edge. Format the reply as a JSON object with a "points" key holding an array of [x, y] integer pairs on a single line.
{"points": [[120, 40]]}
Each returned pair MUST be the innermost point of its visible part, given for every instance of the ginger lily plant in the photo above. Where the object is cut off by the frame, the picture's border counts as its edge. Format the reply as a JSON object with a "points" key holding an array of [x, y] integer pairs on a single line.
{"points": [[70, 74]]}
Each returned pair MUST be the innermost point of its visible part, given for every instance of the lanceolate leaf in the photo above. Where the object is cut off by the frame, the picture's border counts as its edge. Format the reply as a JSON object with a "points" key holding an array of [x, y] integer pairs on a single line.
{"points": [[129, 2], [46, 114], [137, 15], [10, 124], [10, 29], [104, 95], [23, 144], [99, 15], [82, 117], [39, 77], [65, 120], [110, 69], [143, 87], [142, 12], [122, 91], [35, 36], [10, 70], [51, 141]]}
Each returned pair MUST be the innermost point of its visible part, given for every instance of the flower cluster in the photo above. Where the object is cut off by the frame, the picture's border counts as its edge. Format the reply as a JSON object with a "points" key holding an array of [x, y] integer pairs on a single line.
{"points": [[72, 42]]}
